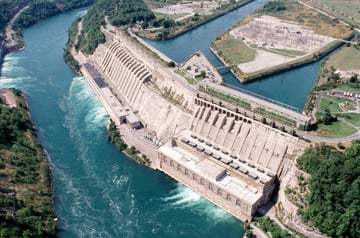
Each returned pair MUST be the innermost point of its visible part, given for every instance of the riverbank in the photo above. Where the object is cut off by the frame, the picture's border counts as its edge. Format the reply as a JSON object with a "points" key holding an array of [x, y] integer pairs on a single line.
{"points": [[193, 26], [25, 184], [28, 15], [267, 72]]}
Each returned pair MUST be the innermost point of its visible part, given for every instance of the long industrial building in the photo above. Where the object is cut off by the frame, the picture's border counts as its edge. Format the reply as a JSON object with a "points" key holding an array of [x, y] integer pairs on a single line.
{"points": [[229, 159]]}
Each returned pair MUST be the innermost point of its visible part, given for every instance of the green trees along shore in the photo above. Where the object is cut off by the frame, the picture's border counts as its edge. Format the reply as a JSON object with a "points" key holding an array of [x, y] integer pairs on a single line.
{"points": [[25, 180], [334, 199]]}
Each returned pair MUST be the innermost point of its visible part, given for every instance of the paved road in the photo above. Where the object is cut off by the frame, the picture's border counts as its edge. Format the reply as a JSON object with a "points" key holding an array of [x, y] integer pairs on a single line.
{"points": [[320, 139]]}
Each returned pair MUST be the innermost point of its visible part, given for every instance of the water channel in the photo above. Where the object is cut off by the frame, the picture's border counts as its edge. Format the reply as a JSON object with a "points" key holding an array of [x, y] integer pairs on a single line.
{"points": [[290, 87], [98, 192]]}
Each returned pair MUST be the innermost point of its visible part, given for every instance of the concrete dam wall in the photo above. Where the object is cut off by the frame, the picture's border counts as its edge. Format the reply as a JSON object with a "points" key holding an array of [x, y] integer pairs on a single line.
{"points": [[230, 159], [132, 82]]}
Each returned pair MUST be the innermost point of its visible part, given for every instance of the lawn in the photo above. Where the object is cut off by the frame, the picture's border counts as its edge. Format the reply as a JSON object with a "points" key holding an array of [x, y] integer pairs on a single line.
{"points": [[347, 58], [328, 103], [183, 73], [289, 52], [353, 118], [335, 130], [347, 88], [234, 51], [345, 10], [169, 16], [308, 17], [332, 103]]}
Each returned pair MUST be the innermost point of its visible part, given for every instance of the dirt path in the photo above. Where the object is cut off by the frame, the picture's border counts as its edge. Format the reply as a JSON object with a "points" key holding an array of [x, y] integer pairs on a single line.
{"points": [[11, 38], [9, 97]]}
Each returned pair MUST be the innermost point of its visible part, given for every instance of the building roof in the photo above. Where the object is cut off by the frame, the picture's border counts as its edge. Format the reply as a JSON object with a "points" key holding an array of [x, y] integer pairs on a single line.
{"points": [[209, 169], [132, 118]]}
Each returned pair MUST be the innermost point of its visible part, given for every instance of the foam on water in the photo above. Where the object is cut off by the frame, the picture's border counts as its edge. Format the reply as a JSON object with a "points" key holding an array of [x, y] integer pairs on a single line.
{"points": [[184, 198], [83, 106], [13, 75]]}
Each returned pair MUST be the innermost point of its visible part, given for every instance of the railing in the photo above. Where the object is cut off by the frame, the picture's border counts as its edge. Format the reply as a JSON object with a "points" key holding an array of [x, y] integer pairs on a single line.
{"points": [[292, 108]]}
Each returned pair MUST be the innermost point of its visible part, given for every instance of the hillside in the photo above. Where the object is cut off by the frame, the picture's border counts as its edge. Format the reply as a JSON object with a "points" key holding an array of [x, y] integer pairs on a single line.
{"points": [[334, 199]]}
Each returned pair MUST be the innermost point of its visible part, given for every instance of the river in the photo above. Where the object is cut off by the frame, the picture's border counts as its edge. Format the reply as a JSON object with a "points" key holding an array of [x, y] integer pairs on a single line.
{"points": [[98, 192]]}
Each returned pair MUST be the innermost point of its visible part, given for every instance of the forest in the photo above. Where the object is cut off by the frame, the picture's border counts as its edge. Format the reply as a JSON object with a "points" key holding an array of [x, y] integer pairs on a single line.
{"points": [[25, 180], [8, 8], [334, 199], [118, 13], [39, 10]]}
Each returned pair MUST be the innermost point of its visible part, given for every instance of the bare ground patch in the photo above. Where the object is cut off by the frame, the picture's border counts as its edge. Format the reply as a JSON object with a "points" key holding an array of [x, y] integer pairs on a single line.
{"points": [[268, 33]]}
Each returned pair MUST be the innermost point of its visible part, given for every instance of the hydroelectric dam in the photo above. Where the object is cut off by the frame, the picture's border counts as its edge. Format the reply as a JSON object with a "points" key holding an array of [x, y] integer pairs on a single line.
{"points": [[224, 144]]}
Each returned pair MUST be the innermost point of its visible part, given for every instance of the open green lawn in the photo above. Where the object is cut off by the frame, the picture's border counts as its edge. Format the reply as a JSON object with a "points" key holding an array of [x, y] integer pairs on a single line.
{"points": [[289, 52], [335, 130], [347, 88], [353, 118], [169, 16], [183, 73], [234, 51], [327, 103], [332, 103], [345, 10], [347, 58]]}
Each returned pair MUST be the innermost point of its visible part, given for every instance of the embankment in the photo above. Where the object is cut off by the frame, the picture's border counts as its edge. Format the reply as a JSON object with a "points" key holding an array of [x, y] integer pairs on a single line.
{"points": [[267, 72], [213, 17]]}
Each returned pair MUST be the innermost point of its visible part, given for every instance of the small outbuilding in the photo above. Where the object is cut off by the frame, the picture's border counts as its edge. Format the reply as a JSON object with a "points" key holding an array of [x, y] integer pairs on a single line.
{"points": [[133, 120]]}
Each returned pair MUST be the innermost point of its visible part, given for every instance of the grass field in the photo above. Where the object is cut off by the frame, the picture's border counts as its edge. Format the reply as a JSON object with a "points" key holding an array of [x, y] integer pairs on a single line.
{"points": [[169, 16], [158, 4], [347, 11], [327, 103], [353, 118], [234, 51], [320, 23], [345, 87], [332, 103], [335, 130], [289, 52], [347, 58]]}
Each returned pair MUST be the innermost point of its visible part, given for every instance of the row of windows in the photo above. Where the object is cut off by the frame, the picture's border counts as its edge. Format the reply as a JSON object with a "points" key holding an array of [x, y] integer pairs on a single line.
{"points": [[203, 182]]}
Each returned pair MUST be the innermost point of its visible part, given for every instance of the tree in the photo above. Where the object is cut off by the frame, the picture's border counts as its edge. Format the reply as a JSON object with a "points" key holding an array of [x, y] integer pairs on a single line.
{"points": [[334, 199], [168, 23], [171, 64], [354, 78], [248, 234], [328, 117], [133, 150], [145, 25]]}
